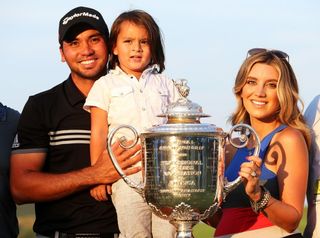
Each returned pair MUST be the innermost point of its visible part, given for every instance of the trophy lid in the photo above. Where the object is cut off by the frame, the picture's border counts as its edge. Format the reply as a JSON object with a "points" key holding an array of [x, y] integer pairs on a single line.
{"points": [[183, 110], [183, 115]]}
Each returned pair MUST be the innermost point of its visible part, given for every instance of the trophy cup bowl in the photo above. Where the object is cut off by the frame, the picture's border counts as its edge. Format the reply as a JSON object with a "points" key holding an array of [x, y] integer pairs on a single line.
{"points": [[183, 165]]}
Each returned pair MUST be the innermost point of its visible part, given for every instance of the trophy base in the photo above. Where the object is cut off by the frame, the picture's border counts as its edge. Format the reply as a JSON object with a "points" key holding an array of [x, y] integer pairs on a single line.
{"points": [[184, 228]]}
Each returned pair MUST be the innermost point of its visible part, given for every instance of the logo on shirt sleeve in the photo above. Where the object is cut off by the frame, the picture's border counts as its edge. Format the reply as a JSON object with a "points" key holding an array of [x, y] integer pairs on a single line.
{"points": [[15, 143]]}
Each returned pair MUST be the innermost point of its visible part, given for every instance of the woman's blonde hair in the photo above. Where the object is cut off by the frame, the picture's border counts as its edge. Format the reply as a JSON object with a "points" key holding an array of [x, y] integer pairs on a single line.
{"points": [[289, 112]]}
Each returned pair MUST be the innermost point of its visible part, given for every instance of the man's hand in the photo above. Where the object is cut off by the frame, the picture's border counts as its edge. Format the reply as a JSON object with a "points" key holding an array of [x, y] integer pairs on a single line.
{"points": [[105, 171], [30, 184]]}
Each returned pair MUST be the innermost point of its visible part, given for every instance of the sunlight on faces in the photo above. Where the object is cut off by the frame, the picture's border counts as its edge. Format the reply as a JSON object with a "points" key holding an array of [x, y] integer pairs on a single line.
{"points": [[86, 54], [133, 49], [259, 94]]}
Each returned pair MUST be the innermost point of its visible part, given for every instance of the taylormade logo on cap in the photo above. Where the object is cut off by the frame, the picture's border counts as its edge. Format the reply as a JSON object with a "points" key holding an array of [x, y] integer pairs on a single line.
{"points": [[82, 15], [76, 15]]}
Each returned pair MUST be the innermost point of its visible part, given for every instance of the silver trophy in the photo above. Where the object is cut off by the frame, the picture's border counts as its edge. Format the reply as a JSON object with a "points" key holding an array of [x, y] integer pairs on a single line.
{"points": [[183, 164]]}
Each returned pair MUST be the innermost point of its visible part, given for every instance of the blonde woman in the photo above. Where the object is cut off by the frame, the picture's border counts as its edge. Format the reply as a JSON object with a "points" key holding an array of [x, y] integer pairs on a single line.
{"points": [[270, 201]]}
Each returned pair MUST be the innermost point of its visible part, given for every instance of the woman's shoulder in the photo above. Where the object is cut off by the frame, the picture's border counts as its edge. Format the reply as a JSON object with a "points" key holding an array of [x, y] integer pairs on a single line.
{"points": [[288, 143], [289, 136]]}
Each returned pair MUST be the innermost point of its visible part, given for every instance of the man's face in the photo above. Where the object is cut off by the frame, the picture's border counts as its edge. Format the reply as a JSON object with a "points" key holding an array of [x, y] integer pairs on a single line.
{"points": [[86, 55]]}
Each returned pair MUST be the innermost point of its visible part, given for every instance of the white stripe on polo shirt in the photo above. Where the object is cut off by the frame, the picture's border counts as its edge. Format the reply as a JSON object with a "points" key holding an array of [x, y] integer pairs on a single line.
{"points": [[64, 137]]}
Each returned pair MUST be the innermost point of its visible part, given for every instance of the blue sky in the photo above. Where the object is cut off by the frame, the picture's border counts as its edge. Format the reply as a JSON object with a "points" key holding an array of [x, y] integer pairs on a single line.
{"points": [[205, 43]]}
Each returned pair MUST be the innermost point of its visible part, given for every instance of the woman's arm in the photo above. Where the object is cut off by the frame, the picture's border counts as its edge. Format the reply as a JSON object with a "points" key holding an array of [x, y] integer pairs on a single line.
{"points": [[289, 153], [292, 173]]}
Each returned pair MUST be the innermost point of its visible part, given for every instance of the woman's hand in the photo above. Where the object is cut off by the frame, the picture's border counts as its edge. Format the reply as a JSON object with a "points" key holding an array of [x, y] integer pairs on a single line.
{"points": [[250, 172]]}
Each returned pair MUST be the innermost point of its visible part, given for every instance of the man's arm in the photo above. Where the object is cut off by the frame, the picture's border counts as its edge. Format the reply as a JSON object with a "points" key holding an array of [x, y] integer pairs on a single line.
{"points": [[29, 184]]}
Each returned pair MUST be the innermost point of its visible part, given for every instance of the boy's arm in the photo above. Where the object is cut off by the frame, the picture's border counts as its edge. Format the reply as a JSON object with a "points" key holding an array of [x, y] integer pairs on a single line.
{"points": [[99, 133]]}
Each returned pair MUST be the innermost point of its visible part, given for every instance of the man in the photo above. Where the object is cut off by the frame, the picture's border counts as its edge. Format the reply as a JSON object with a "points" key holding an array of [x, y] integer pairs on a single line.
{"points": [[312, 117], [8, 126], [51, 162]]}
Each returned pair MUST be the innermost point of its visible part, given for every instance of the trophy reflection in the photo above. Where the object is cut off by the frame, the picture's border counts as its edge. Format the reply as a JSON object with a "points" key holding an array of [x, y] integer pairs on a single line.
{"points": [[183, 164]]}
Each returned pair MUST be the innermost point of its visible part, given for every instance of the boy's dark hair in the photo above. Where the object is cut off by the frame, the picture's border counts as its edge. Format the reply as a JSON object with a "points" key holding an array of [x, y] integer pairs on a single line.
{"points": [[140, 18]]}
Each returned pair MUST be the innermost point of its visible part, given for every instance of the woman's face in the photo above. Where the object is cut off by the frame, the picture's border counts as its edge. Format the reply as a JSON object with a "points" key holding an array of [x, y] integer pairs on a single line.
{"points": [[259, 94]]}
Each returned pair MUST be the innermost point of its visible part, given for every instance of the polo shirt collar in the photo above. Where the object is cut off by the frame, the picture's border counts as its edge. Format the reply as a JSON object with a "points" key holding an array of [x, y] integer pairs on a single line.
{"points": [[73, 94], [3, 113], [152, 69]]}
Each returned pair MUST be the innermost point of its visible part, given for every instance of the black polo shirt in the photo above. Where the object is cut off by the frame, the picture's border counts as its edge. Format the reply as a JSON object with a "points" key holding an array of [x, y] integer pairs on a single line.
{"points": [[54, 122], [8, 126]]}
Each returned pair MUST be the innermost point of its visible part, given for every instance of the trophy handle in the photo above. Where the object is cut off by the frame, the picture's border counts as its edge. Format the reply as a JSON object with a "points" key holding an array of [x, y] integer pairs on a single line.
{"points": [[246, 131], [137, 187]]}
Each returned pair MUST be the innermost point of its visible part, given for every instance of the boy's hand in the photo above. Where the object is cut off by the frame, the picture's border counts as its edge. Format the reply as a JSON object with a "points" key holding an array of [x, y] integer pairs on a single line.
{"points": [[109, 189], [99, 193]]}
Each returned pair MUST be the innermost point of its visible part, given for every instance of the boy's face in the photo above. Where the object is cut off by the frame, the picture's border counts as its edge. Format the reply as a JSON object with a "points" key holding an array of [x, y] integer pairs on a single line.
{"points": [[133, 48]]}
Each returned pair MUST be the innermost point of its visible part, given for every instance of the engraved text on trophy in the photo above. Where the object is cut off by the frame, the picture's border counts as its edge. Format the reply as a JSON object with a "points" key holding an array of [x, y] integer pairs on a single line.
{"points": [[181, 168]]}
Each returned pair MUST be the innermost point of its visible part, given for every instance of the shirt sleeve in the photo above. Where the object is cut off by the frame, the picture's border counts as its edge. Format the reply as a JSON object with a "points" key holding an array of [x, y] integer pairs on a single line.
{"points": [[98, 96], [32, 136], [312, 117]]}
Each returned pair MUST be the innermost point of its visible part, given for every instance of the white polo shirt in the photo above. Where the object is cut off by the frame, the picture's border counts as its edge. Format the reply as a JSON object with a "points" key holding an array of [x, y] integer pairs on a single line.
{"points": [[312, 117], [133, 102]]}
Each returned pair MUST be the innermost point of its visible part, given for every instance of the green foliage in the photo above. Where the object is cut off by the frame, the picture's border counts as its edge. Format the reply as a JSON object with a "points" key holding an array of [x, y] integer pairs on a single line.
{"points": [[26, 219]]}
